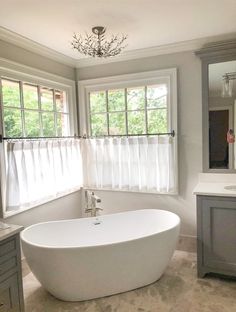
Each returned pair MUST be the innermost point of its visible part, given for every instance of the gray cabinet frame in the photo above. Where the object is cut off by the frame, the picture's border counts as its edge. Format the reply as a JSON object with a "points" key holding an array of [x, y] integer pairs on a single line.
{"points": [[11, 288], [210, 54], [216, 235]]}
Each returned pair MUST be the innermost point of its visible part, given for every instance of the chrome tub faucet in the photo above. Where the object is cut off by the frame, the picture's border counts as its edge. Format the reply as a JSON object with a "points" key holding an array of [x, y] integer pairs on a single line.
{"points": [[93, 203]]}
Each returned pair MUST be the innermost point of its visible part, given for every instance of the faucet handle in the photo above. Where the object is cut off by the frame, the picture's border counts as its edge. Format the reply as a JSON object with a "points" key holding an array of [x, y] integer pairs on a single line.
{"points": [[99, 208]]}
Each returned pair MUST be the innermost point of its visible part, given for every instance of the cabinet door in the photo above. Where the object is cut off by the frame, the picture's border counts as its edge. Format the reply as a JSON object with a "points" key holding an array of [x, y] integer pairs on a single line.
{"points": [[9, 296], [219, 234]]}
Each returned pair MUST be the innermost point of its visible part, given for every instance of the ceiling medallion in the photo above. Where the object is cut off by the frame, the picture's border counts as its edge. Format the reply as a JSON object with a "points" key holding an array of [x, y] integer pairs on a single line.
{"points": [[96, 44]]}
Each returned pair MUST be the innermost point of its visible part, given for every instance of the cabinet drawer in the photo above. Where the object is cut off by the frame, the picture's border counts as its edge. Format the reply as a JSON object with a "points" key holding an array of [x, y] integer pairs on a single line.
{"points": [[7, 265], [7, 247], [5, 300], [9, 297]]}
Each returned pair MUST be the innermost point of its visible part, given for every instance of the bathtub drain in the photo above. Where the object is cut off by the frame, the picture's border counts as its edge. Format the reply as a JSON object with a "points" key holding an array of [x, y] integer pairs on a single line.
{"points": [[97, 222]]}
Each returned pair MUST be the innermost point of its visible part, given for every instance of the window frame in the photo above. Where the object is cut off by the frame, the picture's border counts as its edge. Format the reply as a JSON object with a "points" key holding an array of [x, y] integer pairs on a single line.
{"points": [[132, 80], [168, 76], [127, 111], [39, 110], [59, 83], [19, 72]]}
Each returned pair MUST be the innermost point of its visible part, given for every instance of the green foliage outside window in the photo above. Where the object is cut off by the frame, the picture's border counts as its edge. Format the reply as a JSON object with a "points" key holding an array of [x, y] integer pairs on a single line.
{"points": [[45, 120], [116, 100], [117, 123], [32, 123], [12, 122], [99, 124], [136, 122], [136, 98], [11, 93], [144, 112], [30, 96], [98, 102]]}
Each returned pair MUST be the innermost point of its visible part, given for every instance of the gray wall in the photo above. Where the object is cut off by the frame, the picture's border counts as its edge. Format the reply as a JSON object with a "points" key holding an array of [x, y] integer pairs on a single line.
{"points": [[24, 57], [67, 207], [189, 138]]}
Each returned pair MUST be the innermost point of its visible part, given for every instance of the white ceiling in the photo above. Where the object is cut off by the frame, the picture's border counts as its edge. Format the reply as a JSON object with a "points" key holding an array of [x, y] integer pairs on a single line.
{"points": [[148, 23]]}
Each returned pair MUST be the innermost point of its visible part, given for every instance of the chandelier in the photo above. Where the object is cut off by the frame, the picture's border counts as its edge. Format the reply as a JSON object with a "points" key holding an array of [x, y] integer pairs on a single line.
{"points": [[227, 87], [96, 44]]}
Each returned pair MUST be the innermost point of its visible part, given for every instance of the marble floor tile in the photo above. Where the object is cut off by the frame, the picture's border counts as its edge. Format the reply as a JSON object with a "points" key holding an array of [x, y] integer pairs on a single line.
{"points": [[178, 290], [187, 243]]}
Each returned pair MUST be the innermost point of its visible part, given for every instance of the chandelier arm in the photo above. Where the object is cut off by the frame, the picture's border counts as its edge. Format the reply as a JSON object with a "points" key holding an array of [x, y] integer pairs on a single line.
{"points": [[96, 45], [114, 50], [87, 47], [115, 43]]}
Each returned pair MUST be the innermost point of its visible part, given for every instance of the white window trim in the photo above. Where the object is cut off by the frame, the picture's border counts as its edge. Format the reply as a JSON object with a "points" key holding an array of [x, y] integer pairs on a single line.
{"points": [[13, 70], [20, 72], [132, 80], [123, 81]]}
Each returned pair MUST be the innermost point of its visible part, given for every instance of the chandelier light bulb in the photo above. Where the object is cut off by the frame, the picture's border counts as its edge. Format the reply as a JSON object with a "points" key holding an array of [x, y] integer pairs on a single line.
{"points": [[96, 44]]}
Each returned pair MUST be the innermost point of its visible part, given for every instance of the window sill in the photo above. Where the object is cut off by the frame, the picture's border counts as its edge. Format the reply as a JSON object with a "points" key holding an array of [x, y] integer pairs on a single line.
{"points": [[174, 193], [8, 214]]}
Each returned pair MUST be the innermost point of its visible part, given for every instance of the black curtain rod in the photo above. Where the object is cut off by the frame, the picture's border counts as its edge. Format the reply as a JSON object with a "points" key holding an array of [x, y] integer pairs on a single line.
{"points": [[172, 133], [2, 138]]}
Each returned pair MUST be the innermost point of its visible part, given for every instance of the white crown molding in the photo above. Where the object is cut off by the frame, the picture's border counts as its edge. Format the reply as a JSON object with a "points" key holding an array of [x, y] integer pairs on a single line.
{"points": [[190, 45], [32, 46]]}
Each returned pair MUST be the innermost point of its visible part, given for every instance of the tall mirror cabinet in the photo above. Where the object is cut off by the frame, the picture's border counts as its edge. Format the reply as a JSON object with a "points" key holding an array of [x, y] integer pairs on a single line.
{"points": [[216, 207]]}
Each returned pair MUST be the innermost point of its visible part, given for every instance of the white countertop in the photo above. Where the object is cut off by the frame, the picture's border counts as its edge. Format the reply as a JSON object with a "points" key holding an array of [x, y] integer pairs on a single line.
{"points": [[214, 188], [214, 184]]}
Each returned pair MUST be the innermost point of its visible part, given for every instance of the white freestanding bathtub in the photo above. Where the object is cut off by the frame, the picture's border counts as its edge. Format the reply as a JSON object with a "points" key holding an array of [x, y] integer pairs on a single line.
{"points": [[88, 258]]}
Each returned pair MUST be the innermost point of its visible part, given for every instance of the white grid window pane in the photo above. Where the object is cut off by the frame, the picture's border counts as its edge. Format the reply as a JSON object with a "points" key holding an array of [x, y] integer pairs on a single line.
{"points": [[30, 94], [30, 110], [131, 111]]}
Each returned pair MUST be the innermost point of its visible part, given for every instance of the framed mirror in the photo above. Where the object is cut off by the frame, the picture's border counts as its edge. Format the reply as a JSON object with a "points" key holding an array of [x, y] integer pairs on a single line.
{"points": [[219, 107]]}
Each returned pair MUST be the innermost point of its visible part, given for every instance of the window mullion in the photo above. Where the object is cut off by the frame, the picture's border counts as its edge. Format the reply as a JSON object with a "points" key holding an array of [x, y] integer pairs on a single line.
{"points": [[54, 112], [22, 109], [1, 110], [145, 109], [89, 114], [108, 126], [40, 111], [126, 112]]}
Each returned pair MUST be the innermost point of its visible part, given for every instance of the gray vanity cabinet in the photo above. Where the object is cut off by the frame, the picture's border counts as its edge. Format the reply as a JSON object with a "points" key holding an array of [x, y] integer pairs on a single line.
{"points": [[216, 235], [11, 291]]}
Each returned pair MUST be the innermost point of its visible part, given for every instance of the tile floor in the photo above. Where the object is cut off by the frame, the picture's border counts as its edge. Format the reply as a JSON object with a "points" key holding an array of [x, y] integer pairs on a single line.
{"points": [[179, 290]]}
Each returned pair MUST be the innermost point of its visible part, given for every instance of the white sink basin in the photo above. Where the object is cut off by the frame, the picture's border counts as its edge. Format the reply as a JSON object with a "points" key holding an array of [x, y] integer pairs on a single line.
{"points": [[230, 187]]}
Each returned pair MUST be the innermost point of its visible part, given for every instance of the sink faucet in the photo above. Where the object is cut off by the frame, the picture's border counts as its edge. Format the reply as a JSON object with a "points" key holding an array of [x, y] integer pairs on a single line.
{"points": [[93, 203]]}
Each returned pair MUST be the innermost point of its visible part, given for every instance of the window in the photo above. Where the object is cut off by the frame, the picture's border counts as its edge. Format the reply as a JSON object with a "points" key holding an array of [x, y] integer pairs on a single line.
{"points": [[123, 116], [31, 110], [142, 103], [129, 111], [36, 104]]}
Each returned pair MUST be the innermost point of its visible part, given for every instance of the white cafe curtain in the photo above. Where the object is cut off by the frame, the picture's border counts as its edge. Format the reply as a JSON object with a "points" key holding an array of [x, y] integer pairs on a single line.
{"points": [[130, 163], [40, 170]]}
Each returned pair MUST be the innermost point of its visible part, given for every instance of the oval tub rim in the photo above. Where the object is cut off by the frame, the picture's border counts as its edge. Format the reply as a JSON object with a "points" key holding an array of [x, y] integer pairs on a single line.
{"points": [[176, 224]]}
